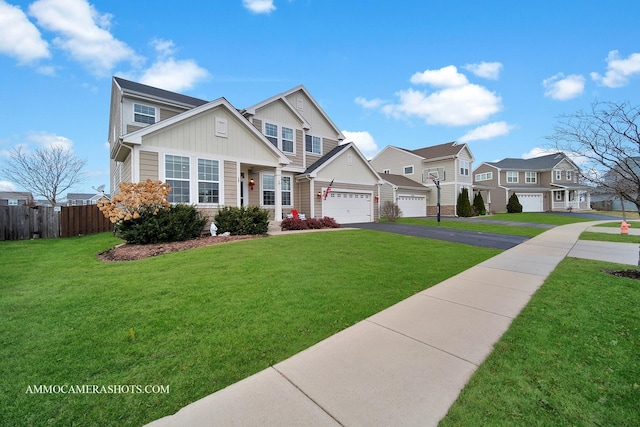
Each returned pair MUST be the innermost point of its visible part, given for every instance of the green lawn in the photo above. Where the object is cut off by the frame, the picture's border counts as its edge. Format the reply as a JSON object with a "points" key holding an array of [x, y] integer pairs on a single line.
{"points": [[571, 358], [196, 320], [537, 217], [475, 226]]}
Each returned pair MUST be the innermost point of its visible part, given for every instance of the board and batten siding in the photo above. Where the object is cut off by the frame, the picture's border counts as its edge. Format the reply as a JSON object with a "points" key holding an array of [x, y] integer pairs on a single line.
{"points": [[348, 166], [149, 166]]}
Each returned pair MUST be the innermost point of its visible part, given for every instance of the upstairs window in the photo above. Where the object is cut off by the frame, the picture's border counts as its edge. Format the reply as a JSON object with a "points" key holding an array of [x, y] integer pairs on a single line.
{"points": [[287, 140], [271, 132], [558, 175], [464, 167], [408, 170], [569, 176], [512, 177], [530, 177], [144, 114], [485, 176], [313, 144]]}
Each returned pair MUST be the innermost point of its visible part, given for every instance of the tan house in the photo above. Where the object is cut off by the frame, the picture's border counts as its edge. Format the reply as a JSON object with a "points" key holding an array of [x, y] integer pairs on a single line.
{"points": [[280, 154], [545, 183], [449, 164], [410, 196]]}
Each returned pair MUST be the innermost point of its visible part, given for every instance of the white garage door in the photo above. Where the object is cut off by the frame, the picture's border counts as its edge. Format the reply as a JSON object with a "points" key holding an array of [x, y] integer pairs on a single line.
{"points": [[531, 202], [347, 207], [412, 206]]}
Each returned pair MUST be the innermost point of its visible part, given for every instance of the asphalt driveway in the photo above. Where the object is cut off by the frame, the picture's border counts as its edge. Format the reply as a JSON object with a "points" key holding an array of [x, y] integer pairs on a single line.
{"points": [[475, 238]]}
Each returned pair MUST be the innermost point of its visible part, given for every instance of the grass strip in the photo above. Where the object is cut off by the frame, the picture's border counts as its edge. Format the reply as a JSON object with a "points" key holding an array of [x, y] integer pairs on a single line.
{"points": [[570, 358]]}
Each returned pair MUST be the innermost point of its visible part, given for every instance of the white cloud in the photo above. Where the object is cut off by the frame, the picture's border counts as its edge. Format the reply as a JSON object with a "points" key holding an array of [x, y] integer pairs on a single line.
{"points": [[19, 38], [618, 70], [488, 131], [83, 33], [363, 140], [259, 6], [487, 70], [164, 48], [170, 74], [369, 103], [7, 186], [444, 77], [563, 88], [458, 106], [538, 152], [48, 140]]}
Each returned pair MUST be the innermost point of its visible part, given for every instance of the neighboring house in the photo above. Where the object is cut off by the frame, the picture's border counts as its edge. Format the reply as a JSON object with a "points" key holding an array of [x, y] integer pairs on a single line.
{"points": [[280, 154], [16, 198], [545, 183], [410, 196], [448, 163], [605, 197], [81, 199]]}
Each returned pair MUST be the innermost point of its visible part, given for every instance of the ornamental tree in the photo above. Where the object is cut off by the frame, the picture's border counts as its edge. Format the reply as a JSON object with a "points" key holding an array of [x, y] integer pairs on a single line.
{"points": [[135, 200]]}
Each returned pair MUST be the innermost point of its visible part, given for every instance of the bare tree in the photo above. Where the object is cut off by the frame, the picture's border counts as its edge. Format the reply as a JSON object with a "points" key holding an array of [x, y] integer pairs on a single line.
{"points": [[607, 141], [47, 172]]}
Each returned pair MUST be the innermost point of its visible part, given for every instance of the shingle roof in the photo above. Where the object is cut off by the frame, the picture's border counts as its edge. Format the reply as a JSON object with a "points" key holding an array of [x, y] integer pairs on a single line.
{"points": [[322, 160], [437, 151], [401, 181], [547, 162], [155, 92]]}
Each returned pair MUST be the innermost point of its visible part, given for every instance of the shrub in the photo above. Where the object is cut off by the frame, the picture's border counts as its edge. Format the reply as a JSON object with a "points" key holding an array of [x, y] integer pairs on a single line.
{"points": [[478, 205], [329, 222], [242, 220], [308, 224], [136, 199], [179, 222], [390, 211], [514, 205], [314, 224], [293, 224], [463, 207]]}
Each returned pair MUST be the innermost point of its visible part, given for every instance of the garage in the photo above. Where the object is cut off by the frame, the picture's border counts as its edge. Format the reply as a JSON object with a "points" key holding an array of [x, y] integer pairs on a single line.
{"points": [[531, 202], [348, 207], [412, 205]]}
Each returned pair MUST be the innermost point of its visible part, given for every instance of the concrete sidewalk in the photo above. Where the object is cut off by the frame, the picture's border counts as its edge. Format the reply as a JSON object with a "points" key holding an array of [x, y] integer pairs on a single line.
{"points": [[407, 364]]}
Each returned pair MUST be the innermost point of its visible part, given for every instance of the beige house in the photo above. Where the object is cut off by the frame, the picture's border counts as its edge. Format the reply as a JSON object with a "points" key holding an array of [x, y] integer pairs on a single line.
{"points": [[280, 154], [546, 183], [410, 196], [449, 164]]}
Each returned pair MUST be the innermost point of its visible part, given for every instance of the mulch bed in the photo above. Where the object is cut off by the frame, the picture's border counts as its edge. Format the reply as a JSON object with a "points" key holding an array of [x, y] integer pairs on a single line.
{"points": [[630, 274], [129, 252]]}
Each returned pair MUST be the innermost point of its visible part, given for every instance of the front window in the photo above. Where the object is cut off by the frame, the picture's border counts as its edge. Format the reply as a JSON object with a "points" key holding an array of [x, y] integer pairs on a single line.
{"points": [[313, 144], [464, 167], [287, 140], [512, 177], [144, 114], [208, 181], [286, 191], [559, 196], [177, 176], [530, 177], [485, 176], [271, 132]]}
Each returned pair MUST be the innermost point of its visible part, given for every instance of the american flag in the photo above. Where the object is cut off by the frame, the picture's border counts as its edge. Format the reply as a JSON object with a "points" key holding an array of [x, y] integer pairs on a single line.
{"points": [[326, 192]]}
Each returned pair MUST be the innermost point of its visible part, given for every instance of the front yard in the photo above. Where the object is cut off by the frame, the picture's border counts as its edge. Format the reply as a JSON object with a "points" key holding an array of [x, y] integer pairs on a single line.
{"points": [[195, 321]]}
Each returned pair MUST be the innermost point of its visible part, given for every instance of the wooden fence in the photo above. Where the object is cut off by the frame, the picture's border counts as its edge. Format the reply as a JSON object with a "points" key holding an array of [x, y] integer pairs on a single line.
{"points": [[30, 222]]}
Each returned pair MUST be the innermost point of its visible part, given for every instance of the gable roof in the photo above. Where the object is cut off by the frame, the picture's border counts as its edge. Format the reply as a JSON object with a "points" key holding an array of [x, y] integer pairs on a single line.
{"points": [[331, 155], [135, 137], [541, 163], [402, 181], [283, 97], [135, 88], [20, 195], [448, 149]]}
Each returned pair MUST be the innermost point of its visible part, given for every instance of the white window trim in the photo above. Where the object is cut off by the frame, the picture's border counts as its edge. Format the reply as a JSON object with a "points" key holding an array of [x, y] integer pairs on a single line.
{"points": [[528, 175], [464, 166], [569, 175], [558, 174], [511, 181], [167, 179], [278, 136], [484, 176], [155, 115], [404, 170], [319, 153], [198, 181], [262, 189]]}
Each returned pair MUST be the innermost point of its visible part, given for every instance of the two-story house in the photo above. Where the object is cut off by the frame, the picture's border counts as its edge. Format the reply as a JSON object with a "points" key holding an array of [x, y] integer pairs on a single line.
{"points": [[281, 154], [16, 198], [447, 164], [545, 183]]}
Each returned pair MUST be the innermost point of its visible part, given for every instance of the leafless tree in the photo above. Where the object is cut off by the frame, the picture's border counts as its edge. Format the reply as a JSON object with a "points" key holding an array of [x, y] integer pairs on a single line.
{"points": [[606, 139], [46, 172]]}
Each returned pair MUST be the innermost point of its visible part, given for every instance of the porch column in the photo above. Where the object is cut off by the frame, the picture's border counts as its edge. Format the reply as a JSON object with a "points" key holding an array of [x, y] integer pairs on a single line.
{"points": [[312, 199], [278, 206], [567, 202]]}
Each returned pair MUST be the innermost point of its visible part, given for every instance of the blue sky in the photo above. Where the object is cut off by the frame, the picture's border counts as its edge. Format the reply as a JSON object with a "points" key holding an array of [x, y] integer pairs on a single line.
{"points": [[493, 74]]}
